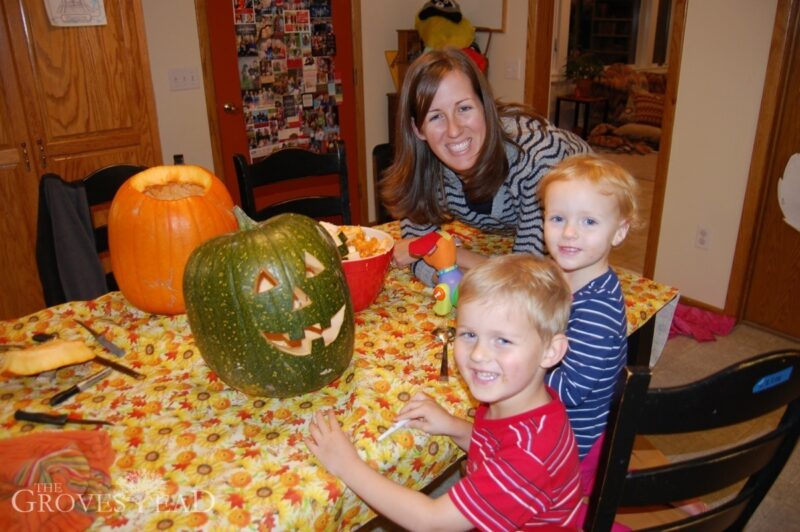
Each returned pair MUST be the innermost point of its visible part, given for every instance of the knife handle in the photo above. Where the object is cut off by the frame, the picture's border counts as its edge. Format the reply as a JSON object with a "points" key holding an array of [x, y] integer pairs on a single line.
{"points": [[62, 396], [38, 417]]}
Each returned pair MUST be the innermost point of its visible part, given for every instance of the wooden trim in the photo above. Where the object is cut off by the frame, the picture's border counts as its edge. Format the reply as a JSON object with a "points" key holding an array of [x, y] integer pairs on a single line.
{"points": [[699, 304], [208, 85], [147, 85], [538, 52], [358, 81], [662, 165], [786, 22]]}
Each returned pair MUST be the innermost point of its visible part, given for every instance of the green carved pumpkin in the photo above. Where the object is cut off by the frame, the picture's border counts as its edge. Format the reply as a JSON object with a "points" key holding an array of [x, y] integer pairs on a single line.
{"points": [[269, 307]]}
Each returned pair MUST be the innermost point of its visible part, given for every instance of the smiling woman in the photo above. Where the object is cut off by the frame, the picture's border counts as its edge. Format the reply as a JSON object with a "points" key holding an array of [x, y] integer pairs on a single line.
{"points": [[460, 155]]}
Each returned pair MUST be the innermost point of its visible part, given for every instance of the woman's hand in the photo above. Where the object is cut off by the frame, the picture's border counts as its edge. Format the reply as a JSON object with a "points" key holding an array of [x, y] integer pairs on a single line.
{"points": [[330, 444], [401, 256]]}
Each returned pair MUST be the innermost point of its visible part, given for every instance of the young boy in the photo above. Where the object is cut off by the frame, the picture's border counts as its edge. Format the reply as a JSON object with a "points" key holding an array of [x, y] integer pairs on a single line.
{"points": [[522, 464], [589, 205]]}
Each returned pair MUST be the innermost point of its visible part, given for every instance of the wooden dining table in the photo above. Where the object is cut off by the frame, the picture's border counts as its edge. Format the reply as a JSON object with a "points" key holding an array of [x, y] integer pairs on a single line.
{"points": [[193, 453]]}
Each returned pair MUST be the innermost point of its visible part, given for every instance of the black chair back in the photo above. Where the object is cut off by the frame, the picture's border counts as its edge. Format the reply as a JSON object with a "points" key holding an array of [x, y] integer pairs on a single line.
{"points": [[100, 186], [294, 164], [382, 158], [738, 393]]}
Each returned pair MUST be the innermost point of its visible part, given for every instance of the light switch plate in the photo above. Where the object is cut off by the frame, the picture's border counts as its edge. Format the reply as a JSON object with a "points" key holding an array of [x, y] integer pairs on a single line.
{"points": [[181, 79]]}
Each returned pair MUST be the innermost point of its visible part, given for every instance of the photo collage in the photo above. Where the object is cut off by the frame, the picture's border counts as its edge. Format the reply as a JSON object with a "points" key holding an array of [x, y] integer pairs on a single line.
{"points": [[290, 86]]}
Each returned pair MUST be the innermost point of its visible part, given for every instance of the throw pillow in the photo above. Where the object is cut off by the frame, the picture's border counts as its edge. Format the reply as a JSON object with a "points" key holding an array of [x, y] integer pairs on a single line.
{"points": [[648, 107], [628, 113]]}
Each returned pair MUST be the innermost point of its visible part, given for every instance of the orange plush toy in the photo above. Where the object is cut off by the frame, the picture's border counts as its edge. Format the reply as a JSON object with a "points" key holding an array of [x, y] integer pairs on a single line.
{"points": [[438, 249]]}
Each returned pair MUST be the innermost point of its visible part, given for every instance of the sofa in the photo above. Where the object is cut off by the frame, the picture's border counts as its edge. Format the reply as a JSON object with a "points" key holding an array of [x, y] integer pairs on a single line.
{"points": [[635, 109]]}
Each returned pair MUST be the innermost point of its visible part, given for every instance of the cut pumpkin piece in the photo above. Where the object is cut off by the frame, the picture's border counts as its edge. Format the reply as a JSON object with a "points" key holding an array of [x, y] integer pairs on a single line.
{"points": [[45, 357]]}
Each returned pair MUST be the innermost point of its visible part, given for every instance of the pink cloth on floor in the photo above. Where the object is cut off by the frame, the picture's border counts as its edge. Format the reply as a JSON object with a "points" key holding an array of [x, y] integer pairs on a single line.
{"points": [[700, 324]]}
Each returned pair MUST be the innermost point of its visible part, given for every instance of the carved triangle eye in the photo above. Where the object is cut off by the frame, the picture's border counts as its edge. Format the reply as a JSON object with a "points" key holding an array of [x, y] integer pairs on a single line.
{"points": [[300, 299], [265, 282], [313, 266]]}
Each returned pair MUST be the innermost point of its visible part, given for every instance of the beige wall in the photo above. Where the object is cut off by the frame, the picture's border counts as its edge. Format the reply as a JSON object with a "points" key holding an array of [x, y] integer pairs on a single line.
{"points": [[172, 42], [380, 20], [726, 46]]}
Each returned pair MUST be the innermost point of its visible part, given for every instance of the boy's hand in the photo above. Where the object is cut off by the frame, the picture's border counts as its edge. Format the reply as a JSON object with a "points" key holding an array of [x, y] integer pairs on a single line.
{"points": [[329, 443], [424, 413]]}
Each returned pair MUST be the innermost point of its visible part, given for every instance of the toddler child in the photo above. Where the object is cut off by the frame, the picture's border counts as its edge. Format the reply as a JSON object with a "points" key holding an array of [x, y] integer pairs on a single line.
{"points": [[589, 205], [522, 465]]}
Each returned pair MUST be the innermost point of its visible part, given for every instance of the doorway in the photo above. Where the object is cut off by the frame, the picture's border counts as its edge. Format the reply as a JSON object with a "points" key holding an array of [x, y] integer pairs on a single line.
{"points": [[665, 27]]}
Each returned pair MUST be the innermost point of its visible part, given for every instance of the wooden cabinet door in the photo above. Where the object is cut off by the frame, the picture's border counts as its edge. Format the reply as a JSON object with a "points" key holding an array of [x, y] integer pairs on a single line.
{"points": [[20, 291], [87, 87], [78, 98]]}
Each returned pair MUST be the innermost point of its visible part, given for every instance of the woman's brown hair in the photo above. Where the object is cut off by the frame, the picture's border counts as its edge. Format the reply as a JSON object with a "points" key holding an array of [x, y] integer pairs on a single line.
{"points": [[413, 185]]}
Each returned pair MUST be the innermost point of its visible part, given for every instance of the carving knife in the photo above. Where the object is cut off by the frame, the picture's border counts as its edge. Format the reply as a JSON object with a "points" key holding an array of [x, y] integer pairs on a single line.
{"points": [[90, 381], [55, 419], [102, 340], [113, 364]]}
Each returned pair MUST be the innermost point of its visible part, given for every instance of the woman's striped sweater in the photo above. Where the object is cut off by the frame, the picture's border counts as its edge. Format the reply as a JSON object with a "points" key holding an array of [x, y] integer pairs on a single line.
{"points": [[515, 208]]}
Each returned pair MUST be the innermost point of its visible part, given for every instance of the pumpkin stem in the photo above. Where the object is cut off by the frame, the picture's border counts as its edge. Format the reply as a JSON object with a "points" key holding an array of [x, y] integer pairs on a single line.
{"points": [[245, 222]]}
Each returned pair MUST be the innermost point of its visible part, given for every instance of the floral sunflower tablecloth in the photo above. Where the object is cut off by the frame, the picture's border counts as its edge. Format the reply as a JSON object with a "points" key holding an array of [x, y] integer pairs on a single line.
{"points": [[193, 453]]}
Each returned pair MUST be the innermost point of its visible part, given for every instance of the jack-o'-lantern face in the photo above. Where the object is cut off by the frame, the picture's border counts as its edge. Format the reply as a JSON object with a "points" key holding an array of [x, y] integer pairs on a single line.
{"points": [[269, 307], [300, 300]]}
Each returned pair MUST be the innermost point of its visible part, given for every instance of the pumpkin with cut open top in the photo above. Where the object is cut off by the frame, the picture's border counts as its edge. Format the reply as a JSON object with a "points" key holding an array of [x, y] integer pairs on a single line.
{"points": [[157, 218]]}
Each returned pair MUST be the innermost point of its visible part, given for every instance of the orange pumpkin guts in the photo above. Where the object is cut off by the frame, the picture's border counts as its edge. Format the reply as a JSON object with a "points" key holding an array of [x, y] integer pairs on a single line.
{"points": [[158, 217]]}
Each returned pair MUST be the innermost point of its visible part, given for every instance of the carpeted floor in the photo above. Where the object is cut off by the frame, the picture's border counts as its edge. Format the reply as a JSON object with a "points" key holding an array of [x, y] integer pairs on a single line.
{"points": [[640, 166]]}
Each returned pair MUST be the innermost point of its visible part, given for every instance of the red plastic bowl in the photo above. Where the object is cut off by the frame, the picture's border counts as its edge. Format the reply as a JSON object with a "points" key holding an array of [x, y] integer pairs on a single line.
{"points": [[365, 277]]}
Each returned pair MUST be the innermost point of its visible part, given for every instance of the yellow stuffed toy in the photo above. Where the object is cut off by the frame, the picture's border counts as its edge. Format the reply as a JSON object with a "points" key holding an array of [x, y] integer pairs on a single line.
{"points": [[441, 24]]}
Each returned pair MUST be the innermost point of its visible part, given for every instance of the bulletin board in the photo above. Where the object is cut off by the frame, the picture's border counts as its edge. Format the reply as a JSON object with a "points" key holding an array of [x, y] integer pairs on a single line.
{"points": [[485, 15], [291, 88]]}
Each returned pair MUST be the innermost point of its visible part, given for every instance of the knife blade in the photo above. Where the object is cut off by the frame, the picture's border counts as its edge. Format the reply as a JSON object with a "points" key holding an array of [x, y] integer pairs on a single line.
{"points": [[88, 382], [102, 340], [55, 419], [122, 368]]}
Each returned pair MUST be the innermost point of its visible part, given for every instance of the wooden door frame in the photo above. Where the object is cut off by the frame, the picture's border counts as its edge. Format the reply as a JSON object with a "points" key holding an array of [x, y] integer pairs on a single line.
{"points": [[537, 93], [211, 107]]}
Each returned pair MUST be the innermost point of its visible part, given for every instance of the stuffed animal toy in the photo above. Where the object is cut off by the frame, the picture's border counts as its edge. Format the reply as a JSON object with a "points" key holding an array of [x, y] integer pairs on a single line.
{"points": [[440, 24], [438, 249]]}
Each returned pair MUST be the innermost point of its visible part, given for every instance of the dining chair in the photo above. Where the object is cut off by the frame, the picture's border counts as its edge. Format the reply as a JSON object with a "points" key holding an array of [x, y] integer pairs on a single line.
{"points": [[738, 393], [382, 157], [100, 186], [294, 165]]}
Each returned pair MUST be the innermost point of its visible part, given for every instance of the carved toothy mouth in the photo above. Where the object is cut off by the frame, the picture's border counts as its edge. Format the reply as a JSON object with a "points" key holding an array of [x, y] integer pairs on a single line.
{"points": [[302, 347]]}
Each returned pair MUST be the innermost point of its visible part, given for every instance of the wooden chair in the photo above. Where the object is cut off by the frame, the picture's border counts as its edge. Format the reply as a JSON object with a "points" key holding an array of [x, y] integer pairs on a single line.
{"points": [[294, 165], [100, 186], [738, 393]]}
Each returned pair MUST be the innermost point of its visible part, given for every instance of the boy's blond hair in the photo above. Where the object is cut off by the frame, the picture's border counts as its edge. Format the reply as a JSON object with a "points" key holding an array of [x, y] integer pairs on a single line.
{"points": [[612, 180], [534, 286]]}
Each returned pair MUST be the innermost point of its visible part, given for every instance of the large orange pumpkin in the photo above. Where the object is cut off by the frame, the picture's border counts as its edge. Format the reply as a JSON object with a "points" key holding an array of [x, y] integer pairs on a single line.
{"points": [[158, 217]]}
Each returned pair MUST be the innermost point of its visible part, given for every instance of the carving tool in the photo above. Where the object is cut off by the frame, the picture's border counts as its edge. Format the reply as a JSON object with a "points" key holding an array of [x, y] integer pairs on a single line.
{"points": [[391, 430], [55, 419], [90, 381]]}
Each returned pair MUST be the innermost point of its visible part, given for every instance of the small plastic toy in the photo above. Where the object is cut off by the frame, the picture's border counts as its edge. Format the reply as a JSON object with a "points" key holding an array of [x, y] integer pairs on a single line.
{"points": [[438, 249]]}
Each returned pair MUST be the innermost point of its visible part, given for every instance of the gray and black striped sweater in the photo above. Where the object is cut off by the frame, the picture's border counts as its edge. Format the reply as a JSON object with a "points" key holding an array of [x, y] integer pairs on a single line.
{"points": [[515, 208]]}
